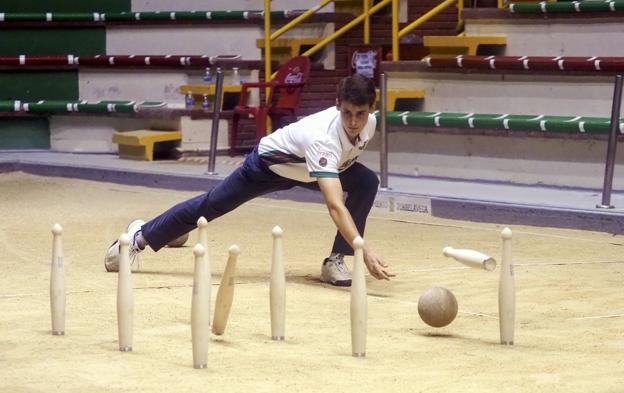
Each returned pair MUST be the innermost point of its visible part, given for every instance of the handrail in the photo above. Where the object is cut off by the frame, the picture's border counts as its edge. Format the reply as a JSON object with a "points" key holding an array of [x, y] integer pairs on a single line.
{"points": [[366, 7], [267, 46], [395, 30], [346, 27], [433, 12], [460, 21], [299, 19]]}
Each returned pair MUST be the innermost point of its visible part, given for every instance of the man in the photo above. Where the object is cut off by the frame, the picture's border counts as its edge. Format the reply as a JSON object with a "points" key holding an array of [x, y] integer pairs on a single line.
{"points": [[318, 152]]}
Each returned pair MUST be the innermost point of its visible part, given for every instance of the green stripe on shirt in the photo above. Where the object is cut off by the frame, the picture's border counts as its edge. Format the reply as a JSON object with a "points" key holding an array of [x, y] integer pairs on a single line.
{"points": [[323, 174]]}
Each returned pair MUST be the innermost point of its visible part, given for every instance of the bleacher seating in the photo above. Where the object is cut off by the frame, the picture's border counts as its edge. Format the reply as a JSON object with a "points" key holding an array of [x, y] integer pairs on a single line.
{"points": [[494, 86], [70, 58], [535, 110]]}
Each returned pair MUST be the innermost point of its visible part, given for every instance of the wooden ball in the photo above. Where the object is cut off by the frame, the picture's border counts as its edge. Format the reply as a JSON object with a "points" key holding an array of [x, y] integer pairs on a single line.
{"points": [[437, 307], [179, 242]]}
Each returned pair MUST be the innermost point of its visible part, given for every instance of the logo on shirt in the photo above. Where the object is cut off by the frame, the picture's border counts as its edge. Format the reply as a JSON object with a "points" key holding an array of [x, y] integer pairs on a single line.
{"points": [[323, 161]]}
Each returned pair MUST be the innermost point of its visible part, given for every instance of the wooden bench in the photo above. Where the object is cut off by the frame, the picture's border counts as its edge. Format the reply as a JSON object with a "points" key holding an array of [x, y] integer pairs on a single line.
{"points": [[139, 144], [460, 45]]}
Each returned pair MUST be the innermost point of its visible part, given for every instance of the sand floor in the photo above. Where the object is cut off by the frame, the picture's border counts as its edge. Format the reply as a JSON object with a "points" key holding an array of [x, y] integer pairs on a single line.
{"points": [[570, 303]]}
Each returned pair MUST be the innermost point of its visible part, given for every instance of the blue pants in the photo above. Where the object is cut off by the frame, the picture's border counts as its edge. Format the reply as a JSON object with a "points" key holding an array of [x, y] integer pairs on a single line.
{"points": [[252, 180]]}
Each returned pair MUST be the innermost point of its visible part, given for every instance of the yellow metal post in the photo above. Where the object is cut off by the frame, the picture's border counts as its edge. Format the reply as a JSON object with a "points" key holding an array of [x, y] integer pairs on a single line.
{"points": [[267, 55], [395, 30], [365, 7], [267, 44], [460, 21]]}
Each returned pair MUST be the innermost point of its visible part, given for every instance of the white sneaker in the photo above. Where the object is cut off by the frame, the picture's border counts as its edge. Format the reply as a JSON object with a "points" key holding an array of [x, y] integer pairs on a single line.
{"points": [[335, 272], [111, 260]]}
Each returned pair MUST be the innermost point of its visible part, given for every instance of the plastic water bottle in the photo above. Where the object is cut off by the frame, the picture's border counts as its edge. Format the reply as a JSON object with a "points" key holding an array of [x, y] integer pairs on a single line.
{"points": [[207, 76], [189, 101], [235, 76], [205, 102]]}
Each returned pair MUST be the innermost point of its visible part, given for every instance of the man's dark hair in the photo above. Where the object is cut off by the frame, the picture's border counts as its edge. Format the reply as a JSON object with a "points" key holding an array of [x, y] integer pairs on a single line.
{"points": [[357, 90]]}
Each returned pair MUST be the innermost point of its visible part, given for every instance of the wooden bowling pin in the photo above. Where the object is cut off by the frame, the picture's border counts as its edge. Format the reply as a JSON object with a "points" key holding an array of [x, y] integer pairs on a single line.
{"points": [[202, 232], [470, 258], [202, 238], [125, 301], [277, 290], [506, 292], [57, 282], [359, 307], [200, 308], [225, 294]]}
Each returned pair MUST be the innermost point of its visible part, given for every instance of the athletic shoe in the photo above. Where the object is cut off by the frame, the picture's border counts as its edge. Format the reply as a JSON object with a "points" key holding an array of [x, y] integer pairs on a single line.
{"points": [[111, 260], [335, 272]]}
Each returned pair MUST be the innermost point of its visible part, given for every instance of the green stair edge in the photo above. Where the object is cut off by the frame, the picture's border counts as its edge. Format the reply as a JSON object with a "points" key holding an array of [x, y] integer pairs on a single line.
{"points": [[503, 122], [53, 106]]}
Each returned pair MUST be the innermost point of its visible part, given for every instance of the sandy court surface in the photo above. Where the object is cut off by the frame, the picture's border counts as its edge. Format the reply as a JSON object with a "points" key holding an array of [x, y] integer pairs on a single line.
{"points": [[570, 303]]}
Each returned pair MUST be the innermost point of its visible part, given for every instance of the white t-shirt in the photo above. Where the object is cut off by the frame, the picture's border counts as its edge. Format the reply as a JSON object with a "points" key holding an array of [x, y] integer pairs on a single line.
{"points": [[315, 146]]}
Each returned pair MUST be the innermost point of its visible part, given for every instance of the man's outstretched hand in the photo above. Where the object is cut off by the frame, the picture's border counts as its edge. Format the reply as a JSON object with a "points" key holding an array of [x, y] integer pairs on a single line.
{"points": [[376, 266]]}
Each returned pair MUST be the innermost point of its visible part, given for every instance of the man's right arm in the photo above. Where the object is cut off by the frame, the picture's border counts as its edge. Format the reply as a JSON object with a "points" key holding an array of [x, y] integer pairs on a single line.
{"points": [[332, 192]]}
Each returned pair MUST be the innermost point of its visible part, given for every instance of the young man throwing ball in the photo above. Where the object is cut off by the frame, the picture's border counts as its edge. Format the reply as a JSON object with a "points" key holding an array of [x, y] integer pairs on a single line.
{"points": [[318, 152]]}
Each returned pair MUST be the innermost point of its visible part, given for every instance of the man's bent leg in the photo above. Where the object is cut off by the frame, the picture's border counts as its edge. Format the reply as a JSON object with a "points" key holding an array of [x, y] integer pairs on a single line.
{"points": [[247, 182]]}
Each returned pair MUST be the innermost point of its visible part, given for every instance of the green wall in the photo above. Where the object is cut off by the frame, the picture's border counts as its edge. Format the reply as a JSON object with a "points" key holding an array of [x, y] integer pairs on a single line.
{"points": [[39, 85], [64, 5], [34, 133], [53, 41], [24, 133]]}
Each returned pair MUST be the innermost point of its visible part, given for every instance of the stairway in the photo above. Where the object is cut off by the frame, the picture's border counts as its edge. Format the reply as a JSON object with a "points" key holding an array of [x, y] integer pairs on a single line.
{"points": [[320, 92]]}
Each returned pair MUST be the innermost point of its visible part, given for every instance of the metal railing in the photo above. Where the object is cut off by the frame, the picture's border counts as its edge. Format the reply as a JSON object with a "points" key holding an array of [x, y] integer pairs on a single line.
{"points": [[614, 130], [214, 132]]}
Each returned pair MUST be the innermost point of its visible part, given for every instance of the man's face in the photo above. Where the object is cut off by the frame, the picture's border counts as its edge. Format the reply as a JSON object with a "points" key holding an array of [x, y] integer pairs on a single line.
{"points": [[353, 117]]}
